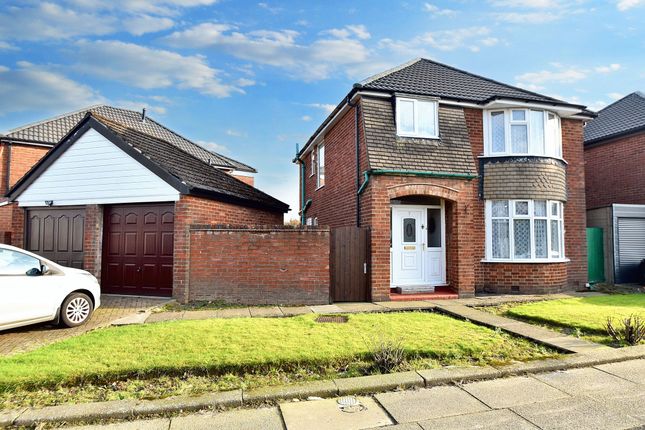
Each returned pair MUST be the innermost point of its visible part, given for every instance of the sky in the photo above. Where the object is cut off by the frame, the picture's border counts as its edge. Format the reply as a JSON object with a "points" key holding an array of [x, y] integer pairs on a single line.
{"points": [[252, 79]]}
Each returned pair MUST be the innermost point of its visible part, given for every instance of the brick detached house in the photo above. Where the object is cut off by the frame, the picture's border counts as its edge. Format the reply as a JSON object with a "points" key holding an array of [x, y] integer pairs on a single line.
{"points": [[615, 185], [464, 182], [118, 194]]}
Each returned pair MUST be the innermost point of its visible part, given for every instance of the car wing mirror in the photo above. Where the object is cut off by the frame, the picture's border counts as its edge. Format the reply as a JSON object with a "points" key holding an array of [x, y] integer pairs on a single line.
{"points": [[34, 272], [44, 269]]}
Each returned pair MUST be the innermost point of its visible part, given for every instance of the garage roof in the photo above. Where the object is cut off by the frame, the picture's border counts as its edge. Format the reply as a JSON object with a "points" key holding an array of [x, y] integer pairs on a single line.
{"points": [[185, 172], [624, 116]]}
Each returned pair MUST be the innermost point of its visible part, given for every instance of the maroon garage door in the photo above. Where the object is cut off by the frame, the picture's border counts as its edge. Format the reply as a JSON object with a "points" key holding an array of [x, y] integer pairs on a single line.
{"points": [[56, 234], [138, 250]]}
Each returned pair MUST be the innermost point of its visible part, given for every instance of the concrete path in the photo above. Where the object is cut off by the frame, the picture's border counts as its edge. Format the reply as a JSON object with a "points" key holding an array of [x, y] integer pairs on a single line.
{"points": [[112, 308], [602, 397]]}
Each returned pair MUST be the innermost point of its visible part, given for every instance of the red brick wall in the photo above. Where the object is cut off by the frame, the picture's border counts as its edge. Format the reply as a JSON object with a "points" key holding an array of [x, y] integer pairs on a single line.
{"points": [[615, 172], [529, 278], [335, 203], [5, 218], [249, 180], [259, 266], [93, 240], [17, 226], [194, 210], [23, 158]]}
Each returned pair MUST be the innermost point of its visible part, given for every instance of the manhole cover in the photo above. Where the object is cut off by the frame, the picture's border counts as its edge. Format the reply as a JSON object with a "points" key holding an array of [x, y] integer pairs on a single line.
{"points": [[331, 319], [350, 405]]}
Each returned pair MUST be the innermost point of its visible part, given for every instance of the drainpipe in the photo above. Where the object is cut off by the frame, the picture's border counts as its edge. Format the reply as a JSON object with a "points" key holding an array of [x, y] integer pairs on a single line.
{"points": [[358, 160], [306, 204], [9, 146], [369, 173]]}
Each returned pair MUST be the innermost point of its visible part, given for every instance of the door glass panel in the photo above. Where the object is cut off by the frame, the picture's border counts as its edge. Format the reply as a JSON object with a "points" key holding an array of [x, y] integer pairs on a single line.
{"points": [[409, 230], [434, 228]]}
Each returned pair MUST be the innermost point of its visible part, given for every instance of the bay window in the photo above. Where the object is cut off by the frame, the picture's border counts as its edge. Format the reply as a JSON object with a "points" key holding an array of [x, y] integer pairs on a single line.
{"points": [[416, 118], [522, 132], [524, 230]]}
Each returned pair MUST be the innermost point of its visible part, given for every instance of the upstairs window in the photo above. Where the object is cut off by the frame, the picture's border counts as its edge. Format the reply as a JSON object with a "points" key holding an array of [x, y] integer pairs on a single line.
{"points": [[416, 118], [320, 170], [522, 132]]}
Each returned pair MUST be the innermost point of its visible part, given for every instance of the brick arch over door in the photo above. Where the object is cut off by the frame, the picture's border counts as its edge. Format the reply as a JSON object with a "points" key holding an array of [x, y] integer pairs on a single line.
{"points": [[430, 190]]}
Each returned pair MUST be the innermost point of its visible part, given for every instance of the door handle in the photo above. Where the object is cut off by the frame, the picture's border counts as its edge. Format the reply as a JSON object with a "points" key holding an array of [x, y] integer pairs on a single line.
{"points": [[138, 269]]}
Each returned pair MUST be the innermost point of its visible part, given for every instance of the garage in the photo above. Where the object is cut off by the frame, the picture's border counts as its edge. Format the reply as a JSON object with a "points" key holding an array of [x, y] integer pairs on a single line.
{"points": [[631, 248], [138, 249], [57, 234]]}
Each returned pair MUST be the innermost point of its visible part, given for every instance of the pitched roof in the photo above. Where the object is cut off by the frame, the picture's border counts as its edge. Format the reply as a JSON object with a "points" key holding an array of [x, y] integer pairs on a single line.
{"points": [[624, 116], [451, 153], [427, 77], [184, 171], [52, 130]]}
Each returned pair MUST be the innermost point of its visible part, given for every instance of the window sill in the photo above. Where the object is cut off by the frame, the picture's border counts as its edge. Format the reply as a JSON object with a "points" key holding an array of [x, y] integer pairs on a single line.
{"points": [[558, 260], [322, 186], [415, 136], [523, 155]]}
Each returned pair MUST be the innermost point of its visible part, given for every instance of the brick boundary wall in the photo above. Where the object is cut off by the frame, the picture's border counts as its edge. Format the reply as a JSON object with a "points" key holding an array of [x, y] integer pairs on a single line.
{"points": [[278, 265]]}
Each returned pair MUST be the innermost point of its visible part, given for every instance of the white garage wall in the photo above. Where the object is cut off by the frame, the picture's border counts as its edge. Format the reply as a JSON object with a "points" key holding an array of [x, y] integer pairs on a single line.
{"points": [[95, 171]]}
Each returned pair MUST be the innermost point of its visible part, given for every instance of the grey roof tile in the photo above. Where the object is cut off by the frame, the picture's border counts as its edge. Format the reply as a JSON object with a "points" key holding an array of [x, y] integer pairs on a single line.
{"points": [[451, 153], [622, 116], [54, 129]]}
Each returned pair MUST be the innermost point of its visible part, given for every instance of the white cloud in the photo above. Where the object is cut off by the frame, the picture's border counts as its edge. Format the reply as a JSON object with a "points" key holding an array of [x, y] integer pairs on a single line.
{"points": [[212, 146], [527, 18], [6, 46], [235, 133], [48, 21], [325, 107], [436, 10], [144, 67], [143, 24], [444, 40], [336, 50], [562, 76], [157, 7], [615, 96], [140, 105], [306, 118], [608, 69], [624, 5], [530, 87], [533, 4], [32, 87], [271, 9]]}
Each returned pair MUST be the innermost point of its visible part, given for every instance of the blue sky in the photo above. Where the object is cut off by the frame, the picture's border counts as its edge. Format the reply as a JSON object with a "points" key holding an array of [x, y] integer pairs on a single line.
{"points": [[251, 79]]}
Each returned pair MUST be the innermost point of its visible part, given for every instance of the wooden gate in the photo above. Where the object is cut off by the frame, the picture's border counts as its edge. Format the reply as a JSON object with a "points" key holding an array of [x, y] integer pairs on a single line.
{"points": [[349, 260]]}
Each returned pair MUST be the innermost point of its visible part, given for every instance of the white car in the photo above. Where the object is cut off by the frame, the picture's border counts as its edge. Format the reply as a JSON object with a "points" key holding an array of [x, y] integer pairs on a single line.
{"points": [[34, 289]]}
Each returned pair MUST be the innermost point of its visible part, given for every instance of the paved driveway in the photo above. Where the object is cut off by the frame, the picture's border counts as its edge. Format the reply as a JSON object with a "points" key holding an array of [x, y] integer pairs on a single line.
{"points": [[112, 308]]}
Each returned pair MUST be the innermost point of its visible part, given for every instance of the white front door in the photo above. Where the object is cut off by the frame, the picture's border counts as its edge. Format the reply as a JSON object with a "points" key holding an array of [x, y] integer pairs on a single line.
{"points": [[407, 245], [418, 246]]}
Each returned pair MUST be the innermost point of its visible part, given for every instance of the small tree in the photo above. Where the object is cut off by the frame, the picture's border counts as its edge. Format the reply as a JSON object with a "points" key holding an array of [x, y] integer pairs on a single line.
{"points": [[631, 332]]}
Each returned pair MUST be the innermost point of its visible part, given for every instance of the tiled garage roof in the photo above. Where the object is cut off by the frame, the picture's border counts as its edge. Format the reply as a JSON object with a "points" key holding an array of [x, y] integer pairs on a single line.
{"points": [[627, 115], [51, 131]]}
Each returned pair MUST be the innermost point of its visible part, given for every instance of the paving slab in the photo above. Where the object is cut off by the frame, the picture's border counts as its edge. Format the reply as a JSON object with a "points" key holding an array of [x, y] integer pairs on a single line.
{"points": [[575, 413], [428, 403], [8, 417], [627, 402], [156, 424], [136, 318], [406, 305], [585, 381], [517, 390], [326, 415], [406, 426], [200, 315], [265, 312], [164, 316], [295, 391], [234, 313], [536, 366], [501, 419], [290, 311], [222, 399], [242, 419], [633, 370], [326, 309], [448, 375], [375, 383], [78, 412], [360, 307]]}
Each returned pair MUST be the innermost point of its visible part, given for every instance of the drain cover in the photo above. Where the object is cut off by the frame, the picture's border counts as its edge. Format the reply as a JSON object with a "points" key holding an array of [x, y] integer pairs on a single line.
{"points": [[350, 405], [331, 319]]}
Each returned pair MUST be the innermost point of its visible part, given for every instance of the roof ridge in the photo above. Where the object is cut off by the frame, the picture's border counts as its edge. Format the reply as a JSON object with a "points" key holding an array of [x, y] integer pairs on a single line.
{"points": [[635, 93], [54, 118], [373, 78], [494, 81]]}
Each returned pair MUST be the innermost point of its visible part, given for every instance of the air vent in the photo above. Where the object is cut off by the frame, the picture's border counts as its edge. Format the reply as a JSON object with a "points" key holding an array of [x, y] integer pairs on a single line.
{"points": [[332, 319]]}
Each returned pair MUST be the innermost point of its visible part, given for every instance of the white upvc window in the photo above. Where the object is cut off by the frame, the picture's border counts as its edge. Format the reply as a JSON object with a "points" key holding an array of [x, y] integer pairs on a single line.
{"points": [[313, 163], [417, 118], [524, 231], [522, 132], [320, 167]]}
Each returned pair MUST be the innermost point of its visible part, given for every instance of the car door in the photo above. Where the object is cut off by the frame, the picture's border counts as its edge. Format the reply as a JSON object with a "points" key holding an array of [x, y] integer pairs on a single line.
{"points": [[26, 294]]}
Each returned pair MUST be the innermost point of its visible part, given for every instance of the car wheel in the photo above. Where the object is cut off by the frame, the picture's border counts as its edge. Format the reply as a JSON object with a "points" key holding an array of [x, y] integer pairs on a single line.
{"points": [[76, 310]]}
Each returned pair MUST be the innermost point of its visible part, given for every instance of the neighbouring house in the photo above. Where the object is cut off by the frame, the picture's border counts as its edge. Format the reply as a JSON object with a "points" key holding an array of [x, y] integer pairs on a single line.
{"points": [[118, 195], [462, 182], [22, 147], [615, 187]]}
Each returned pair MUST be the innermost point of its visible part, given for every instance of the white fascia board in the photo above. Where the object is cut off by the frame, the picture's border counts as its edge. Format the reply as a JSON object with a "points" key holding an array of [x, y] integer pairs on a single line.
{"points": [[241, 173]]}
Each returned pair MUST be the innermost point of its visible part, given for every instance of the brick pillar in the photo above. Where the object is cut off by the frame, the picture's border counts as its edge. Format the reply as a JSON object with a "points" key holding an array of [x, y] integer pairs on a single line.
{"points": [[181, 250], [93, 240], [18, 226]]}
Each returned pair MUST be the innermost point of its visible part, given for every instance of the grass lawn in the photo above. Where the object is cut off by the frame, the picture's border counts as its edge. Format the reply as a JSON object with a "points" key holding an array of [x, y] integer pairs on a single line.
{"points": [[158, 360], [587, 315]]}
